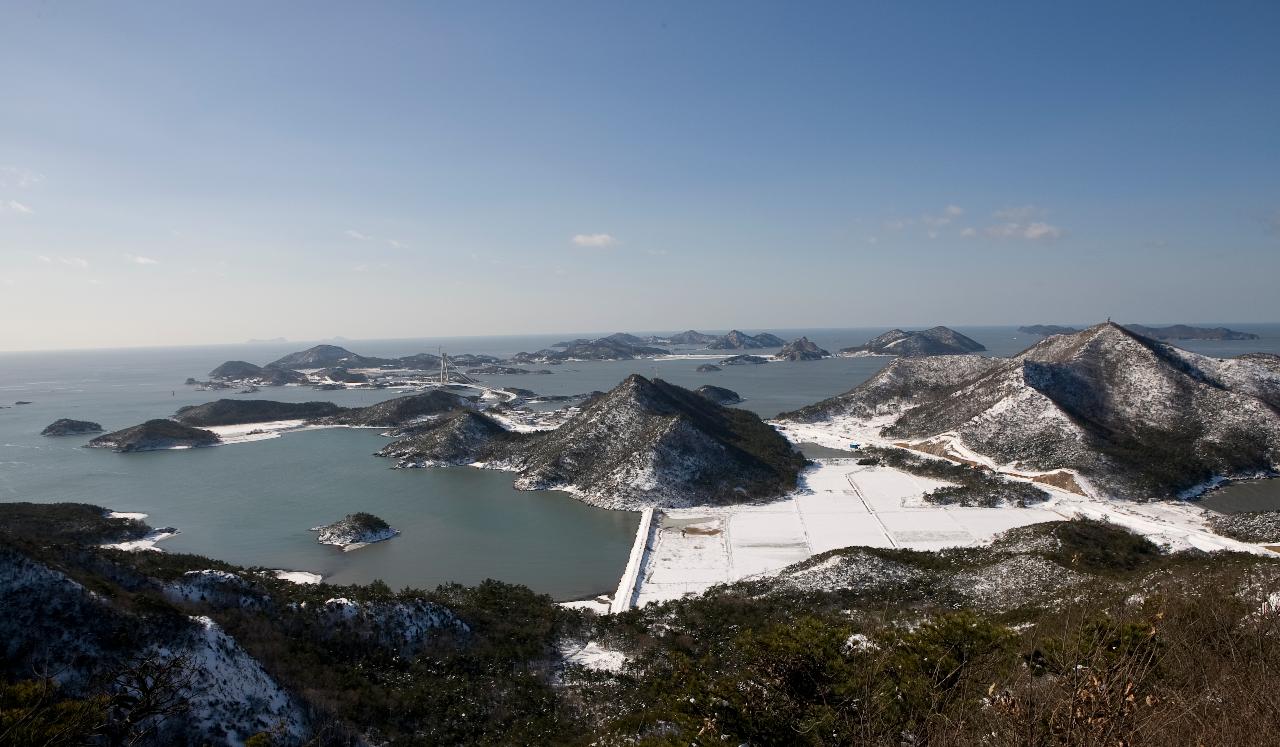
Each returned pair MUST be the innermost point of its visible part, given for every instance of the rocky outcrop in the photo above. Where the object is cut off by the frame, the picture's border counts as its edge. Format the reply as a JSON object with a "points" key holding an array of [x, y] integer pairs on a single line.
{"points": [[399, 411], [571, 343], [329, 356], [342, 375], [465, 437], [899, 386], [736, 340], [419, 362], [650, 443], [242, 411], [471, 359], [1171, 332], [645, 443], [155, 435], [1134, 416], [235, 371], [400, 626], [1251, 526], [718, 394], [1187, 332], [708, 368], [933, 341], [1045, 330], [69, 427], [354, 531], [691, 337], [496, 370], [613, 348], [221, 694], [801, 350], [391, 413], [247, 373], [743, 360]]}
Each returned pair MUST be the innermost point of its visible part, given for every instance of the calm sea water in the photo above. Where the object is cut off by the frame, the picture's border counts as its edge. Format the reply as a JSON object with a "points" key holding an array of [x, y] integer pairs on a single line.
{"points": [[253, 503]]}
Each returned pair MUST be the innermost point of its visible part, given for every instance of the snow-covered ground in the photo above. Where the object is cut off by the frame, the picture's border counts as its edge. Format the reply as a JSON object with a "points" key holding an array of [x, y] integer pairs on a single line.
{"points": [[147, 542], [694, 356], [238, 434], [126, 515], [593, 656], [843, 504], [230, 694], [599, 605], [298, 577]]}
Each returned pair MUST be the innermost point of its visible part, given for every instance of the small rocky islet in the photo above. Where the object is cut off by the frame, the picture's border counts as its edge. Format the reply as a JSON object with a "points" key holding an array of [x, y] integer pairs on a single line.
{"points": [[155, 435], [354, 531], [802, 349], [69, 427], [933, 341]]}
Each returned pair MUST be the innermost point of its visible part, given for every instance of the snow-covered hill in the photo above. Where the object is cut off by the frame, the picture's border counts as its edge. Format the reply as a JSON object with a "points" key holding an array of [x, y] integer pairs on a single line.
{"points": [[1134, 416], [645, 443]]}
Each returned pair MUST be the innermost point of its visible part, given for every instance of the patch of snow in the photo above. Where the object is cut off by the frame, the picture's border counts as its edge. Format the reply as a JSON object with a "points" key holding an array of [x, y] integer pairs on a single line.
{"points": [[147, 542], [247, 432], [126, 515], [598, 605], [842, 504], [298, 577], [594, 656], [229, 690]]}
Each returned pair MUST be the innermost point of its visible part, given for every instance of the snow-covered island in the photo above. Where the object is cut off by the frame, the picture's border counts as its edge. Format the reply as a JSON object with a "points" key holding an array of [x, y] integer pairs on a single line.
{"points": [[354, 531]]}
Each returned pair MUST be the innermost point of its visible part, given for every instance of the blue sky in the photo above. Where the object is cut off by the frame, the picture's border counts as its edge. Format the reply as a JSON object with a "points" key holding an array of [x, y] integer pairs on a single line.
{"points": [[211, 172]]}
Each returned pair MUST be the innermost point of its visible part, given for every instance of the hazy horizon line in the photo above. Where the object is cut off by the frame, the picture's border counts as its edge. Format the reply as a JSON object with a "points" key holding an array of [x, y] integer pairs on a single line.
{"points": [[340, 339]]}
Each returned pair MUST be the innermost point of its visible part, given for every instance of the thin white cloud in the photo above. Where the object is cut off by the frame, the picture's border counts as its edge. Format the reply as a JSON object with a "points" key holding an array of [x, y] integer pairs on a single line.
{"points": [[45, 259], [138, 259], [657, 252], [1019, 213], [944, 218], [394, 244], [594, 240], [18, 207], [1020, 223], [77, 262], [18, 177], [351, 233], [1040, 230], [361, 268], [1037, 231]]}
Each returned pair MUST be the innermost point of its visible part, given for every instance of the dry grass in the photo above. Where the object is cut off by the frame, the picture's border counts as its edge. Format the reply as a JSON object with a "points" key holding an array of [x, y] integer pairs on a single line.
{"points": [[1061, 479]]}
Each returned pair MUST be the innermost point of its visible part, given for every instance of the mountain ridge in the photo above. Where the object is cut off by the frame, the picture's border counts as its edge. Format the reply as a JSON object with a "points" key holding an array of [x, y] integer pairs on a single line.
{"points": [[1133, 415]]}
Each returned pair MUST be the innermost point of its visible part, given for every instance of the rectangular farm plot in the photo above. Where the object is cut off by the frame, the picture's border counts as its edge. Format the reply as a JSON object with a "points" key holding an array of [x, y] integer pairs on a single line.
{"points": [[830, 531], [762, 541], [925, 530]]}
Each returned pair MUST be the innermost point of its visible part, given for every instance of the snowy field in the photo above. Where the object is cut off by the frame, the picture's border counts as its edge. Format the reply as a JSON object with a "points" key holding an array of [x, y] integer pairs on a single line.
{"points": [[843, 504]]}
